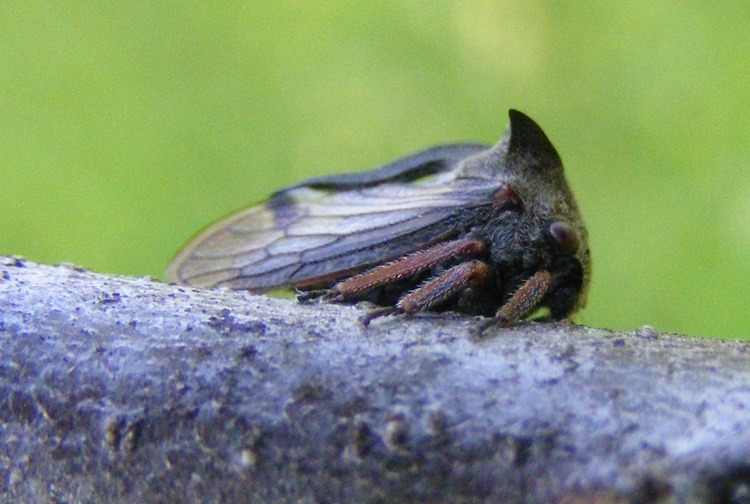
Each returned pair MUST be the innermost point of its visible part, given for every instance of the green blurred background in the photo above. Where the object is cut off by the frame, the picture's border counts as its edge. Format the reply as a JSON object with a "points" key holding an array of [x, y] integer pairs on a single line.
{"points": [[125, 127]]}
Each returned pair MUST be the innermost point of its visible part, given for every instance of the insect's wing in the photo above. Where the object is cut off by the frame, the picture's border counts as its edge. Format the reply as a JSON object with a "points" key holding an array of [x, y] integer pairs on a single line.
{"points": [[307, 236], [327, 227], [408, 168]]}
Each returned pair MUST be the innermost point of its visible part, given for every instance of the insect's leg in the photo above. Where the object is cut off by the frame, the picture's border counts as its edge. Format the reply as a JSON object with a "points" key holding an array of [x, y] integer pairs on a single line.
{"points": [[309, 296], [365, 319], [472, 273], [523, 302], [406, 267], [438, 290]]}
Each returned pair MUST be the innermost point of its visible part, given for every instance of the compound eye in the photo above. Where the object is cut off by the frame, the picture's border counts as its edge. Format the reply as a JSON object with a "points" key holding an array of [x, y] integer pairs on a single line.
{"points": [[565, 237]]}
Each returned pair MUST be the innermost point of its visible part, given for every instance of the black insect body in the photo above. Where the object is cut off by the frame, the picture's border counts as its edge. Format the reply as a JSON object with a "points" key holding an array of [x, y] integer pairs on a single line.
{"points": [[481, 230]]}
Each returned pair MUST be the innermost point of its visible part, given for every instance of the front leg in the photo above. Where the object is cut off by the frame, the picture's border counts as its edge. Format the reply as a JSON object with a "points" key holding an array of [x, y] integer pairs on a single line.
{"points": [[523, 302]]}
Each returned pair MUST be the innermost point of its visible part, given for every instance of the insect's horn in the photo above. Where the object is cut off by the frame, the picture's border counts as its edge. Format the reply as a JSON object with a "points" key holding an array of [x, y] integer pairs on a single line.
{"points": [[528, 141]]}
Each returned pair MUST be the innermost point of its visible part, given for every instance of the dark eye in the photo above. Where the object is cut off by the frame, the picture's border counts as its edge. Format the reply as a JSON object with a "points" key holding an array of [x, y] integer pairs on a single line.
{"points": [[564, 236]]}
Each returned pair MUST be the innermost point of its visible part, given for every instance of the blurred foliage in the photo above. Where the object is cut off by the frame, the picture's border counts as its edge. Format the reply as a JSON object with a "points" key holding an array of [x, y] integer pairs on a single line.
{"points": [[126, 127]]}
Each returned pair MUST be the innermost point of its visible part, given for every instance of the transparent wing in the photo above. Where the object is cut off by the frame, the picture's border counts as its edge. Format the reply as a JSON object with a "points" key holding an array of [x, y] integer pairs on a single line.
{"points": [[306, 235]]}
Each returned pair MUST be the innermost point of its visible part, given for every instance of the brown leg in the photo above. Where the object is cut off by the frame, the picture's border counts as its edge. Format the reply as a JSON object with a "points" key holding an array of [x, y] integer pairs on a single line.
{"points": [[524, 301], [406, 267], [438, 290]]}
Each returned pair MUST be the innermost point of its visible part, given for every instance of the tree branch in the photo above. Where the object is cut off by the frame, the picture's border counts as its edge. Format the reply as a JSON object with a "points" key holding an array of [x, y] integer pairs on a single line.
{"points": [[118, 389]]}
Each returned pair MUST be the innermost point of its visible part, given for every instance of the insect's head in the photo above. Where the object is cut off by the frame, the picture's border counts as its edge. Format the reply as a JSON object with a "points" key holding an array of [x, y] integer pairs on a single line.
{"points": [[549, 228]]}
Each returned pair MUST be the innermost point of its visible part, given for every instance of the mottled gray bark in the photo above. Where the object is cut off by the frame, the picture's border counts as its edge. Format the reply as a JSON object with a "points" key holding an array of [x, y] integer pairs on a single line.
{"points": [[120, 389]]}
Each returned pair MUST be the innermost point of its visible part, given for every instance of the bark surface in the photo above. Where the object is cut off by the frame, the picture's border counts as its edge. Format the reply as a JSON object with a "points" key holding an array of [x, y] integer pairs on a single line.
{"points": [[116, 389]]}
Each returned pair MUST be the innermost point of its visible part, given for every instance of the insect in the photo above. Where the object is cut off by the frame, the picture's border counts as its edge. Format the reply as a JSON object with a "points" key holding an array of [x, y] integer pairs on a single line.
{"points": [[482, 230]]}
